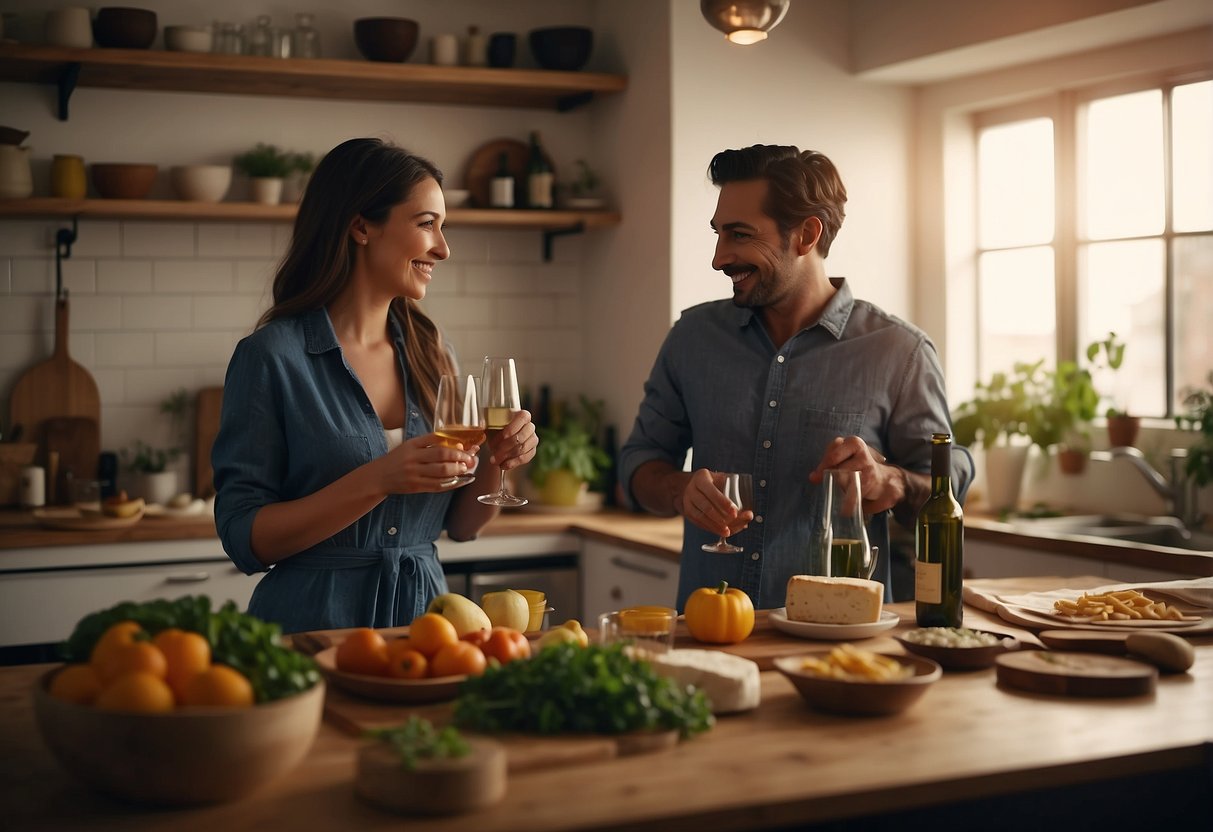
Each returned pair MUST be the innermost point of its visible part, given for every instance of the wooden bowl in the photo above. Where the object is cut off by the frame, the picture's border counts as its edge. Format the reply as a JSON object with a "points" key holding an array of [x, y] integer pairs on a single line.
{"points": [[444, 786], [188, 757], [390, 39], [565, 48], [115, 180], [118, 27], [962, 658], [860, 698]]}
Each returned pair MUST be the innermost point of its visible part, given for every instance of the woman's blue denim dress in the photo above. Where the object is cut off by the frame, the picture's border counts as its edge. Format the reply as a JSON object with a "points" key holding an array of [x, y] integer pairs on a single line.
{"points": [[296, 418]]}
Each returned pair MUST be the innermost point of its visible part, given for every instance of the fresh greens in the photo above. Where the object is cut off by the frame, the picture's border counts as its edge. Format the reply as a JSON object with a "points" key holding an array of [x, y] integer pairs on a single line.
{"points": [[568, 688], [243, 642], [419, 739]]}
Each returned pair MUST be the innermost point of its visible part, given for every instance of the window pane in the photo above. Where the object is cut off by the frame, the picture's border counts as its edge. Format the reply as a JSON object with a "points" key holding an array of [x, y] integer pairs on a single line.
{"points": [[1122, 166], [1121, 290], [1193, 312], [1015, 184], [1017, 317], [1192, 159]]}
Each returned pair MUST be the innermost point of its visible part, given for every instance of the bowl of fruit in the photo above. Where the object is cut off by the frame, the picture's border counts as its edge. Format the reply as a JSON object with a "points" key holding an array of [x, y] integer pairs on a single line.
{"points": [[173, 703]]}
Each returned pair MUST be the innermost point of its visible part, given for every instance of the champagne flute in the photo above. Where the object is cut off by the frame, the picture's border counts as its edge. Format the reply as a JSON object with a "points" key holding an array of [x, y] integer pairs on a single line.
{"points": [[458, 419], [739, 488], [499, 385]]}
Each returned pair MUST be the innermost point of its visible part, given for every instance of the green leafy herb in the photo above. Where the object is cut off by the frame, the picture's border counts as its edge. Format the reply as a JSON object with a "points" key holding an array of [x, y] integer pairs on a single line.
{"points": [[418, 739], [241, 641], [568, 688]]}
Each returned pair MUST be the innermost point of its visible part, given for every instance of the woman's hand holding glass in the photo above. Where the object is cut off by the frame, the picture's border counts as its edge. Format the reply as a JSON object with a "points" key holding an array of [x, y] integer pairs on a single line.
{"points": [[459, 420], [422, 464], [512, 438]]}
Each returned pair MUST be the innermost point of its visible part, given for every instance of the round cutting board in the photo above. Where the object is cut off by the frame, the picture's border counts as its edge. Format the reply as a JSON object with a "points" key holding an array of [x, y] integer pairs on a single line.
{"points": [[1075, 674]]}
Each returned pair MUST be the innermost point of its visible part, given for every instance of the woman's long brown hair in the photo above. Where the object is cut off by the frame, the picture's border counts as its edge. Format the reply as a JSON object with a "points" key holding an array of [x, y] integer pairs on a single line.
{"points": [[359, 177]]}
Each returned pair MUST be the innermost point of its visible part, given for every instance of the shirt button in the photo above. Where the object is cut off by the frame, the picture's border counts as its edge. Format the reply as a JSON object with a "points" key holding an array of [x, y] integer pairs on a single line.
{"points": [[772, 403], [392, 530], [762, 483], [780, 359], [413, 413], [766, 443], [758, 519], [755, 556]]}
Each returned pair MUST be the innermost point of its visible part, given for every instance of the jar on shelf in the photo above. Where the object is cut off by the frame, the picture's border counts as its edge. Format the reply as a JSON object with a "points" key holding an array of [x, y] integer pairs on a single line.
{"points": [[305, 40], [261, 37]]}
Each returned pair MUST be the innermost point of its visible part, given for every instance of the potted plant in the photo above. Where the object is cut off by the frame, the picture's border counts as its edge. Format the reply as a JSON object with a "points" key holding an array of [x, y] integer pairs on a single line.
{"points": [[1199, 417], [569, 459], [583, 190], [267, 167], [1122, 428], [158, 484], [1063, 415], [302, 165]]}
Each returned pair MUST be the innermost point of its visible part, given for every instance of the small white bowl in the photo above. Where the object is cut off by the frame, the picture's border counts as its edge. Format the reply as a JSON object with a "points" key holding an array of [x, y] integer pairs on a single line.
{"points": [[455, 197], [188, 38], [201, 183]]}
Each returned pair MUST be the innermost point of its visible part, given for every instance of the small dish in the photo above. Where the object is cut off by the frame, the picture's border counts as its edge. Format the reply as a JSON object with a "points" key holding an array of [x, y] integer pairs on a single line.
{"points": [[962, 658], [386, 689], [860, 697], [455, 197], [832, 632]]}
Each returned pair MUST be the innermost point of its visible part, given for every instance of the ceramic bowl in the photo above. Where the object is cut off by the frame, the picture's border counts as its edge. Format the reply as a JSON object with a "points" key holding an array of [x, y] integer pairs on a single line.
{"points": [[119, 27], [188, 38], [188, 757], [114, 180], [201, 183], [564, 48], [455, 197], [962, 658], [390, 39], [862, 697]]}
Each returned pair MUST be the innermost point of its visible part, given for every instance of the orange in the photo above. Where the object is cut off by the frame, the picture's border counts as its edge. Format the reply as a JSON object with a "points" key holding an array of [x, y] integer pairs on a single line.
{"points": [[123, 632], [430, 632], [219, 686], [458, 659], [186, 655], [403, 662], [76, 683], [119, 659], [363, 651], [139, 692]]}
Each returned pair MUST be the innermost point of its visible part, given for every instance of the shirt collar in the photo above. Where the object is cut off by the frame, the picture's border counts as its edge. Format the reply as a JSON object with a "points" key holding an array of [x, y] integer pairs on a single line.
{"points": [[833, 318], [320, 336]]}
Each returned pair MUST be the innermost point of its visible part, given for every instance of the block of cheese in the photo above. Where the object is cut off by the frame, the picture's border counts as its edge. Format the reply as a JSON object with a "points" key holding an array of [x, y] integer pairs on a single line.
{"points": [[834, 600], [730, 682]]}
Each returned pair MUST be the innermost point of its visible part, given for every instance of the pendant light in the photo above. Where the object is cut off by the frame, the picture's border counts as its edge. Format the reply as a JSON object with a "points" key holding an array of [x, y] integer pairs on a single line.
{"points": [[744, 21]]}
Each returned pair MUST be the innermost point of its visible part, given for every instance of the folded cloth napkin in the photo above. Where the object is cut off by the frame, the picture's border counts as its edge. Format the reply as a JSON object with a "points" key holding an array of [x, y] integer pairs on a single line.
{"points": [[1194, 595]]}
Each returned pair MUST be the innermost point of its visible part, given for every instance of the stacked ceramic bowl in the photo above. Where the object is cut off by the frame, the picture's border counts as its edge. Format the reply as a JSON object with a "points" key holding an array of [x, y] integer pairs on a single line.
{"points": [[201, 183]]}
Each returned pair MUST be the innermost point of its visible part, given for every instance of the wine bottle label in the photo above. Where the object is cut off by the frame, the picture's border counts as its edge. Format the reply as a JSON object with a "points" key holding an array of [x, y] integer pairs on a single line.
{"points": [[928, 582]]}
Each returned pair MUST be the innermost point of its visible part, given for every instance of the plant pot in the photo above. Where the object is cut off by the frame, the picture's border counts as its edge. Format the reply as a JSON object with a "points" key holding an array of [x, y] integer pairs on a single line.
{"points": [[1122, 430], [1004, 475], [562, 488], [159, 488], [267, 190], [1071, 460]]}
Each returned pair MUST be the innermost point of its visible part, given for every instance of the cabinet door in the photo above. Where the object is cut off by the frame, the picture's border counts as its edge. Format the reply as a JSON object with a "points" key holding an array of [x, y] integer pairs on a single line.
{"points": [[614, 577], [43, 607]]}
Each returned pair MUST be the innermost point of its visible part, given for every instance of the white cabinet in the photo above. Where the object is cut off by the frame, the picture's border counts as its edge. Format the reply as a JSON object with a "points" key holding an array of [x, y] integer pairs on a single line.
{"points": [[613, 577]]}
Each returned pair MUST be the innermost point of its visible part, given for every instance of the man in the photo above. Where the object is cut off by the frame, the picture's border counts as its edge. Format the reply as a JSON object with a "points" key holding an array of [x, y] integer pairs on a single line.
{"points": [[792, 377]]}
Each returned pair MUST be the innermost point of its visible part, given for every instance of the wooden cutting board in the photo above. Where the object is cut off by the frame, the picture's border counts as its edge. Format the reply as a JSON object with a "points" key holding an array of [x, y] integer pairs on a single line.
{"points": [[1075, 674], [55, 387], [207, 410], [77, 440]]}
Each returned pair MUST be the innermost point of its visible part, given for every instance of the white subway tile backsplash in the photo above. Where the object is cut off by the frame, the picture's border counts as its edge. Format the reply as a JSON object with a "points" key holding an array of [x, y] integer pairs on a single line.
{"points": [[468, 245], [282, 239], [97, 238], [526, 312], [124, 277], [81, 346], [521, 280], [79, 277], [125, 349], [473, 345], [448, 280], [256, 277], [514, 247], [461, 312], [33, 276], [6, 276], [159, 239], [90, 313], [150, 386], [19, 350], [228, 312], [548, 343], [143, 312], [27, 313], [111, 385], [235, 240], [27, 238], [193, 349], [192, 276]]}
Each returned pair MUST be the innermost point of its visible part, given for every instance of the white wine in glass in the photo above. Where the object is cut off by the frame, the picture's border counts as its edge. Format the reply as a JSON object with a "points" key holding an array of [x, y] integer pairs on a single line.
{"points": [[499, 388], [458, 419]]}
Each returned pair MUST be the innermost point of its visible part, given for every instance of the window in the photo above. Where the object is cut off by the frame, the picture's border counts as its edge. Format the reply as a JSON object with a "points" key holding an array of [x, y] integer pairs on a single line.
{"points": [[1095, 214]]}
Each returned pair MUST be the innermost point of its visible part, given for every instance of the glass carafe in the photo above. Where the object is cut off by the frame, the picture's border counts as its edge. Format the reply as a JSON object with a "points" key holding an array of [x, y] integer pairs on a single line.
{"points": [[305, 41]]}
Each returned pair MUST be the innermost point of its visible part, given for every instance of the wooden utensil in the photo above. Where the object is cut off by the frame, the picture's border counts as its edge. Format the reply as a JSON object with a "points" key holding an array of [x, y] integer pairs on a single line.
{"points": [[1085, 641], [77, 440], [1075, 674], [207, 411], [55, 387], [483, 164]]}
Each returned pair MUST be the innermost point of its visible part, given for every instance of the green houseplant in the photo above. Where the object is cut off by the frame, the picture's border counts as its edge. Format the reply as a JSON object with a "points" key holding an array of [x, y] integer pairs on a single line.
{"points": [[1199, 417], [1107, 356], [158, 484], [267, 167], [569, 458]]}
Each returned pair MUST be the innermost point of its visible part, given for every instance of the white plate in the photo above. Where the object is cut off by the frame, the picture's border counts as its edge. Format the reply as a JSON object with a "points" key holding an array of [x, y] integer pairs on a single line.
{"points": [[832, 632]]}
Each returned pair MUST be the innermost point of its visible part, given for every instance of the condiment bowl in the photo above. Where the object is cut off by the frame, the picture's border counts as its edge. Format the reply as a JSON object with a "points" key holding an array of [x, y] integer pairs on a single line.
{"points": [[455, 197], [124, 28], [390, 39], [962, 658], [860, 697], [117, 180], [564, 48], [201, 183]]}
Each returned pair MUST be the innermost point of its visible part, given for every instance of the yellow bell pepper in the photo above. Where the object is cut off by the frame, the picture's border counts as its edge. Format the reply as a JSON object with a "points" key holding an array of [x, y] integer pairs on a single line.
{"points": [[720, 615]]}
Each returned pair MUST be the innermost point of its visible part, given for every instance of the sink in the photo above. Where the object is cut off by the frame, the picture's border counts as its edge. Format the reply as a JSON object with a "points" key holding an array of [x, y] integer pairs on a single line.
{"points": [[1131, 528]]}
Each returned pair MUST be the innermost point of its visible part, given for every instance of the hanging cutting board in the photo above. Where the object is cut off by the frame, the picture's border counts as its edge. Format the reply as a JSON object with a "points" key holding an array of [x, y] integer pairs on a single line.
{"points": [[55, 387], [206, 425], [77, 440]]}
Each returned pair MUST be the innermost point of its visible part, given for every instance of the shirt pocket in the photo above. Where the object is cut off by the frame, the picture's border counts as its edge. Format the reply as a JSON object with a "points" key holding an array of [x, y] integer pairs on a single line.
{"points": [[818, 428]]}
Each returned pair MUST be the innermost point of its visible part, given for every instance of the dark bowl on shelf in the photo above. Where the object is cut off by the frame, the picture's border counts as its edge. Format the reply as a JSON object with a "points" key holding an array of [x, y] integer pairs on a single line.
{"points": [[116, 180], [390, 39], [565, 48], [118, 27]]}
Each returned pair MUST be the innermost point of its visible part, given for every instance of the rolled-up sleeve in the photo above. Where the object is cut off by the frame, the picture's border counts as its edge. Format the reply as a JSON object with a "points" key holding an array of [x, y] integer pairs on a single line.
{"points": [[662, 430], [249, 454]]}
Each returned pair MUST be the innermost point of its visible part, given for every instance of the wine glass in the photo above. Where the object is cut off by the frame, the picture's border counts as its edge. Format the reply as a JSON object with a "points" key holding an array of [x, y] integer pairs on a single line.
{"points": [[739, 488], [458, 419], [841, 548], [499, 386]]}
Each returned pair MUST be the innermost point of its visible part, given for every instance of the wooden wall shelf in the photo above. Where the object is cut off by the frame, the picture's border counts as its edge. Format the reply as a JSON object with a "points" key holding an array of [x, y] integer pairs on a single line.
{"points": [[149, 69]]}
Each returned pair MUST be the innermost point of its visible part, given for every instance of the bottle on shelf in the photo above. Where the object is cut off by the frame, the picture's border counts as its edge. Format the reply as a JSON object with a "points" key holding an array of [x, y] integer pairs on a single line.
{"points": [[539, 176], [501, 188], [939, 545], [305, 40], [475, 48], [261, 37]]}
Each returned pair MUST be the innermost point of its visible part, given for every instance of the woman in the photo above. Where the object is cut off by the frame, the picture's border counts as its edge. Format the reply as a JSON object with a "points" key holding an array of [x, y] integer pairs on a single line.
{"points": [[325, 467]]}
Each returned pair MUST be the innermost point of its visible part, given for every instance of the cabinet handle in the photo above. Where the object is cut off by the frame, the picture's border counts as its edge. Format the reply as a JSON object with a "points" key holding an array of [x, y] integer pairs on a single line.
{"points": [[635, 567], [188, 578], [616, 593]]}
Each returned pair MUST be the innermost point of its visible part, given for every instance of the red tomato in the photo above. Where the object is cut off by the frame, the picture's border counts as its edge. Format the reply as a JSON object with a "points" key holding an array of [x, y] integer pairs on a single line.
{"points": [[476, 637], [505, 645], [405, 662], [458, 659]]}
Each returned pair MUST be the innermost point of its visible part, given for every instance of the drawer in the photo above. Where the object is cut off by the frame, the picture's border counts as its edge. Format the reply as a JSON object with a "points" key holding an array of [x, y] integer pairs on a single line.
{"points": [[615, 577]]}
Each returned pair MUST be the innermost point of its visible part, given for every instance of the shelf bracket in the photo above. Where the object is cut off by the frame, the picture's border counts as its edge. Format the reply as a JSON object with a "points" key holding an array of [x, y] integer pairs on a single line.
{"points": [[63, 251], [550, 234], [67, 85], [572, 102]]}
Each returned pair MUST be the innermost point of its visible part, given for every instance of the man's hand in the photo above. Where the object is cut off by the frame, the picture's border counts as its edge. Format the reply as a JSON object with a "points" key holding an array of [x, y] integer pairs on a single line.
{"points": [[703, 503], [884, 485]]}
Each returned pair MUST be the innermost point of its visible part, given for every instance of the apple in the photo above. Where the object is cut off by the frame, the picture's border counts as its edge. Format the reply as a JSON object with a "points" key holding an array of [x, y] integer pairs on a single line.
{"points": [[507, 608], [460, 611]]}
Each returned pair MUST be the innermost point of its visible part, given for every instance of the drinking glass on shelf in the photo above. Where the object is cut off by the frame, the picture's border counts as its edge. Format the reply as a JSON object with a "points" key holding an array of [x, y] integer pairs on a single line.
{"points": [[840, 546], [499, 387], [739, 488], [458, 419]]}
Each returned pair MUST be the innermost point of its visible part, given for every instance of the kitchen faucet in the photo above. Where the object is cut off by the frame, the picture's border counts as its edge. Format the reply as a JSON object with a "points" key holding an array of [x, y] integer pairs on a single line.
{"points": [[1180, 492]]}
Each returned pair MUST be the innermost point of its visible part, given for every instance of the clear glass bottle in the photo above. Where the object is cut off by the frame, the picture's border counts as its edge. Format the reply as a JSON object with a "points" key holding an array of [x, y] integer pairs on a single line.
{"points": [[305, 41], [261, 37], [235, 45]]}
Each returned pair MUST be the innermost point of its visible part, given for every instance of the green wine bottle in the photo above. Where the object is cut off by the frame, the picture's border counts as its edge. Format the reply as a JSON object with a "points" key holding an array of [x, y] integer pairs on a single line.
{"points": [[939, 545]]}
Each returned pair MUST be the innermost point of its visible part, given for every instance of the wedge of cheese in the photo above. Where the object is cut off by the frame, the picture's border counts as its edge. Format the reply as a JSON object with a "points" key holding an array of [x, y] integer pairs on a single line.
{"points": [[730, 682], [834, 600]]}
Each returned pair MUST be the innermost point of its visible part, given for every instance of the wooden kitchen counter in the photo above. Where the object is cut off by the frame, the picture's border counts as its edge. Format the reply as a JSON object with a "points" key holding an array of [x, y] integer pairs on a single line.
{"points": [[778, 766]]}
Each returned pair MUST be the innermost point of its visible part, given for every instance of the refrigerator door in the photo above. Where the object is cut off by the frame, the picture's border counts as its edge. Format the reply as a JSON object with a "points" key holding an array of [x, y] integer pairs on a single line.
{"points": [[561, 586]]}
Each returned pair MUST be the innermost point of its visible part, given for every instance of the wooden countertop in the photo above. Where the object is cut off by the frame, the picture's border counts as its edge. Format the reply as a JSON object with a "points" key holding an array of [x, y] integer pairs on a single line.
{"points": [[780, 765]]}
